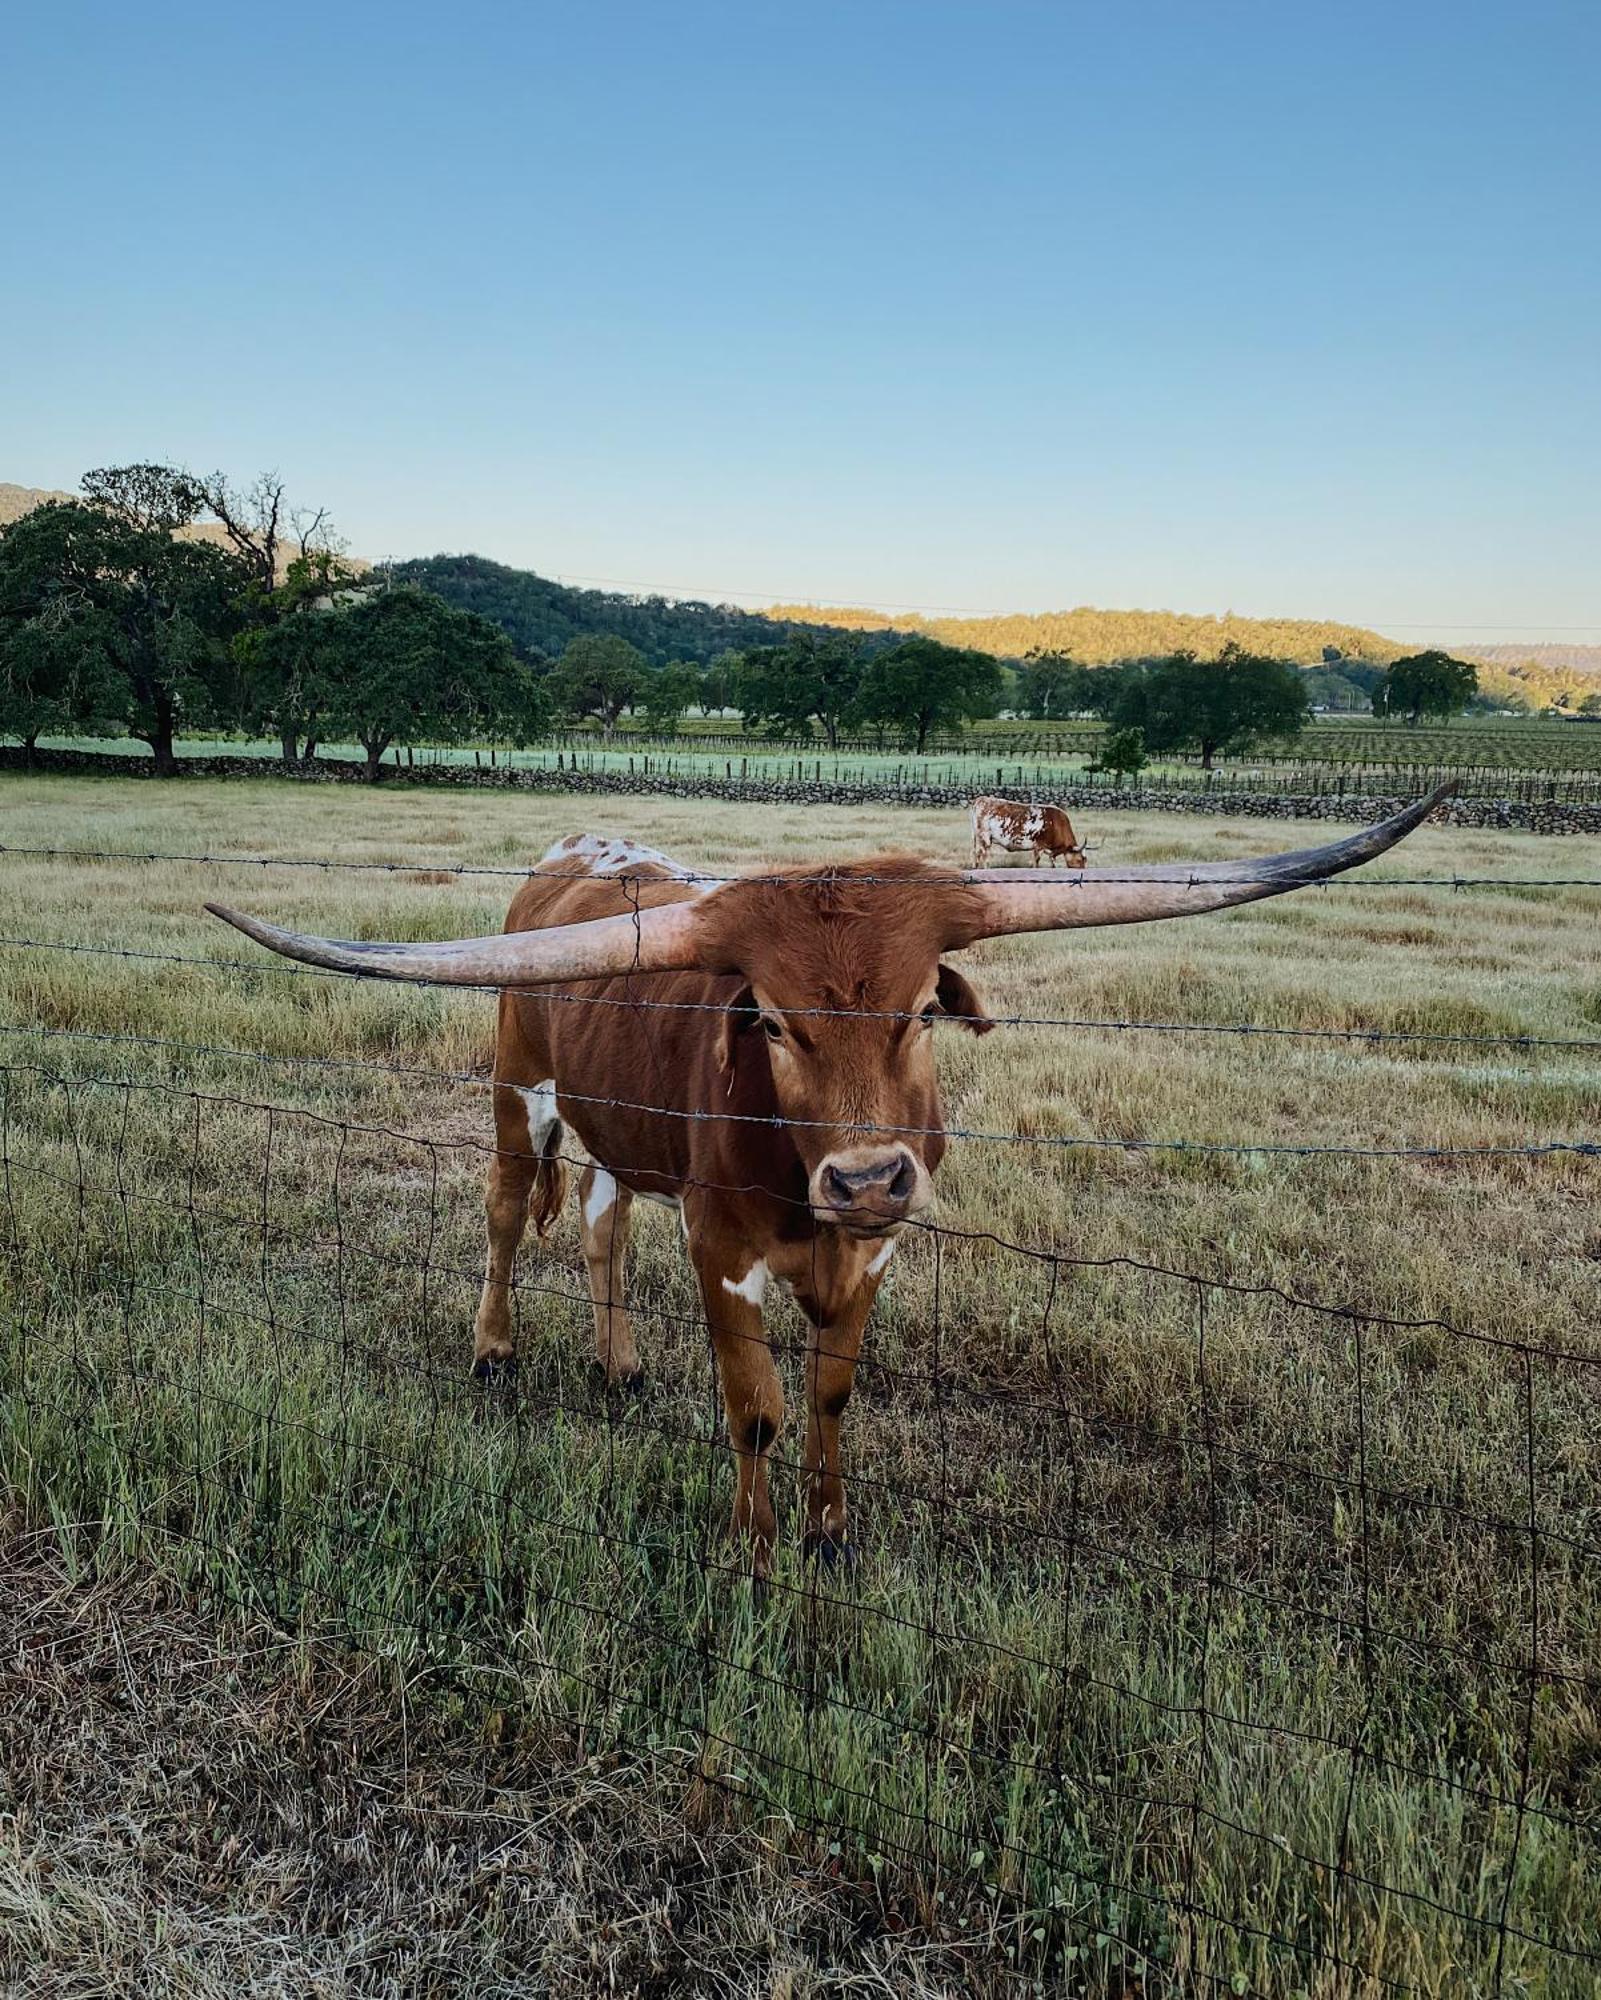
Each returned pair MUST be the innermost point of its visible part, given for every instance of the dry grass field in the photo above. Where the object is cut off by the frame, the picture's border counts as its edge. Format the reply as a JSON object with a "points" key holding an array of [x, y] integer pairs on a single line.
{"points": [[1200, 1641]]}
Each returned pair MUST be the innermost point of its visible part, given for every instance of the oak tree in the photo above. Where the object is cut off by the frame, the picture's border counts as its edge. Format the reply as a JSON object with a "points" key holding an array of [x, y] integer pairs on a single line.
{"points": [[1431, 683], [1216, 707]]}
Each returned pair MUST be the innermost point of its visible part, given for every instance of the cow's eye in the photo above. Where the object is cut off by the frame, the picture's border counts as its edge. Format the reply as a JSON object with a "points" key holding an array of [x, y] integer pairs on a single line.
{"points": [[773, 1030], [929, 1013]]}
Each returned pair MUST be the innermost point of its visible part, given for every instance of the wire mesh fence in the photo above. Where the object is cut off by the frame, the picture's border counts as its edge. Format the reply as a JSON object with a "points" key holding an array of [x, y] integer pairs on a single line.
{"points": [[1190, 1702], [1551, 763]]}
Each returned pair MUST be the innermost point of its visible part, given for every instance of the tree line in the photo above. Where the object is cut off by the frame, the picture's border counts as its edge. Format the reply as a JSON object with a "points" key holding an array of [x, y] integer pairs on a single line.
{"points": [[163, 602]]}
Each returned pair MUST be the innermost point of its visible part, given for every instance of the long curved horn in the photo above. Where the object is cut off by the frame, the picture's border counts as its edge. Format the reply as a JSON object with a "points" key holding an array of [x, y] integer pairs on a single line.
{"points": [[665, 939], [1012, 902]]}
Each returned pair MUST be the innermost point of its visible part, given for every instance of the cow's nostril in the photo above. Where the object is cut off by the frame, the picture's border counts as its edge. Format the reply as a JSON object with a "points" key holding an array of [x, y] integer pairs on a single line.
{"points": [[837, 1186], [905, 1178]]}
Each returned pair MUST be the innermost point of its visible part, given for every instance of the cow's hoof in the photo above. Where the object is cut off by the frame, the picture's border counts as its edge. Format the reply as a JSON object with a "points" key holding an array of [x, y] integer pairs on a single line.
{"points": [[495, 1371], [831, 1554], [631, 1384]]}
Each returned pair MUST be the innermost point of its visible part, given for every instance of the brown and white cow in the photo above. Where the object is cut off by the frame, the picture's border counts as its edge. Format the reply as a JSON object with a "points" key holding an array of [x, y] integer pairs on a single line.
{"points": [[757, 1054], [1017, 827]]}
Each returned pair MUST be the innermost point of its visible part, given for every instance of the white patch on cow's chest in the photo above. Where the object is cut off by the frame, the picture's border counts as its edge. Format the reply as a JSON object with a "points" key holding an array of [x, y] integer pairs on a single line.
{"points": [[881, 1257], [752, 1287]]}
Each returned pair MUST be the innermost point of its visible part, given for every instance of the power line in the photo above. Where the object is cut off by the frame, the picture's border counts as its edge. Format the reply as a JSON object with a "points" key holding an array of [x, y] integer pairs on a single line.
{"points": [[822, 602]]}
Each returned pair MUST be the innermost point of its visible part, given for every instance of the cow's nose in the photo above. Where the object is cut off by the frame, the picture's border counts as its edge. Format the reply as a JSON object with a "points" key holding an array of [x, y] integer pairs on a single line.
{"points": [[891, 1177]]}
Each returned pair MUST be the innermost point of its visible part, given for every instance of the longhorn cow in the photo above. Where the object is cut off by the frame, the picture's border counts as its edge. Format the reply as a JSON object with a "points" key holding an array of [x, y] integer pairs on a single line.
{"points": [[756, 1053], [1045, 832]]}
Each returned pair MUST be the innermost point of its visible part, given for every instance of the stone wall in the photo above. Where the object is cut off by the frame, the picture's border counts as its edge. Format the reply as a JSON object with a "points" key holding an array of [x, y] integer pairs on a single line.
{"points": [[1525, 815]]}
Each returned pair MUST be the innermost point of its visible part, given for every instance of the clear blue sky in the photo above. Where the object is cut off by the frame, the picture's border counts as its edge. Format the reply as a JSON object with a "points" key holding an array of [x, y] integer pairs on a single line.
{"points": [[1280, 308]]}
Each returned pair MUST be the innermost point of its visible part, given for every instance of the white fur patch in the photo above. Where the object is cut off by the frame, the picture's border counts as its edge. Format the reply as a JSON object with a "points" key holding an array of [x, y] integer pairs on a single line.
{"points": [[881, 1257], [1012, 827], [753, 1286], [601, 1196], [611, 854], [543, 1116]]}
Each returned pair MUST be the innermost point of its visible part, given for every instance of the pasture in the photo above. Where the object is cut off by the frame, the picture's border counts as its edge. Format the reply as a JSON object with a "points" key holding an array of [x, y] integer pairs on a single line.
{"points": [[1202, 1641]]}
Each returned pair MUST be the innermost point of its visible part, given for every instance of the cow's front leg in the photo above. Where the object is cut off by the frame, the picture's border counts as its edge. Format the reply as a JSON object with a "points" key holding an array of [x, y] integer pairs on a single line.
{"points": [[511, 1181], [604, 1206], [837, 1326], [733, 1283]]}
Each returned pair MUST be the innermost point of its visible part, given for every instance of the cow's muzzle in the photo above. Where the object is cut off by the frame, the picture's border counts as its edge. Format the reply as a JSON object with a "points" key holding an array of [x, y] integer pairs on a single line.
{"points": [[869, 1190]]}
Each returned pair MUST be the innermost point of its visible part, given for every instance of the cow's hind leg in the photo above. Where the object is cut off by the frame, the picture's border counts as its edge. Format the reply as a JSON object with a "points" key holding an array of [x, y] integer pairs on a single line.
{"points": [[526, 1177], [605, 1207]]}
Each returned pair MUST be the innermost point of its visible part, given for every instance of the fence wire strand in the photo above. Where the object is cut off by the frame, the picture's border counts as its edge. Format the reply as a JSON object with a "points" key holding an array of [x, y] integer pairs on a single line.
{"points": [[711, 878]]}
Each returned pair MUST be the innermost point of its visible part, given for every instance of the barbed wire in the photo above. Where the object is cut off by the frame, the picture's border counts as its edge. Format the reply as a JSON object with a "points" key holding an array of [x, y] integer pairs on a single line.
{"points": [[779, 1121], [643, 1003], [563, 872]]}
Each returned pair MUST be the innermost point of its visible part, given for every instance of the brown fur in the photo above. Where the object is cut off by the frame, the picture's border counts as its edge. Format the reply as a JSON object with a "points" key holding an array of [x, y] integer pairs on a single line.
{"points": [[675, 1100]]}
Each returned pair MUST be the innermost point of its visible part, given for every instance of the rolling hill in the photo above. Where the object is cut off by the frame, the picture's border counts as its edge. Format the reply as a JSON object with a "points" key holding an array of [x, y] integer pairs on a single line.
{"points": [[1542, 672], [1099, 638], [15, 501], [541, 615], [1533, 673]]}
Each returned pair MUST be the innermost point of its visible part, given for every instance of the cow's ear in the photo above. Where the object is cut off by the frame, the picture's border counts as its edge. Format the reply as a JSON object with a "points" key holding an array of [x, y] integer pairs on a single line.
{"points": [[958, 999], [739, 1017]]}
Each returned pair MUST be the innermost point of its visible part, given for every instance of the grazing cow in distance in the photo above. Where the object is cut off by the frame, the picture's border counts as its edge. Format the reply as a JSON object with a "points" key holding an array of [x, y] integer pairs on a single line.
{"points": [[756, 1053], [1019, 828]]}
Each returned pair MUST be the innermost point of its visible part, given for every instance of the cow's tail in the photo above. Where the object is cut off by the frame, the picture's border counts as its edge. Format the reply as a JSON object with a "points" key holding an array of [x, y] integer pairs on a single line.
{"points": [[549, 1188]]}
